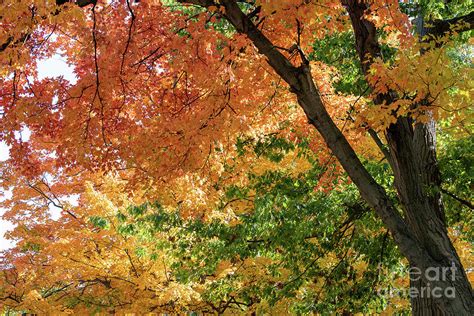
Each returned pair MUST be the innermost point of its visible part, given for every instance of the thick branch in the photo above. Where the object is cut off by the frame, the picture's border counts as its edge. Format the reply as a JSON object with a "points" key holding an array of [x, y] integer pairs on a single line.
{"points": [[80, 3], [441, 27], [303, 86], [244, 25], [413, 161], [10, 41]]}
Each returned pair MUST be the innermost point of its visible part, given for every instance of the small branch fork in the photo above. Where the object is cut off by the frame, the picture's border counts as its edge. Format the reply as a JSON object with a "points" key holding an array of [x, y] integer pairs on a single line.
{"points": [[54, 200]]}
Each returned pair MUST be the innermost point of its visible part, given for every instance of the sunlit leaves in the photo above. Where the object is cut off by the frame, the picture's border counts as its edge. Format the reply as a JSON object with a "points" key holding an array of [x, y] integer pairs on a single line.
{"points": [[185, 176]]}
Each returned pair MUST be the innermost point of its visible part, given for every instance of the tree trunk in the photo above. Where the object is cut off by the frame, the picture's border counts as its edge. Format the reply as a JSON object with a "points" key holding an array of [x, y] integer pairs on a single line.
{"points": [[412, 156], [417, 179], [421, 237]]}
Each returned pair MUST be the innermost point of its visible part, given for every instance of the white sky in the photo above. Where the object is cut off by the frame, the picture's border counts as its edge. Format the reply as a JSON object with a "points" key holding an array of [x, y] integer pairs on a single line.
{"points": [[49, 68]]}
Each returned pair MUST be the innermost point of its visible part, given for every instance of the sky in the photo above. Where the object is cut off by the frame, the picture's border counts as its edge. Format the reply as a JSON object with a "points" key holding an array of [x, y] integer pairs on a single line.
{"points": [[49, 68]]}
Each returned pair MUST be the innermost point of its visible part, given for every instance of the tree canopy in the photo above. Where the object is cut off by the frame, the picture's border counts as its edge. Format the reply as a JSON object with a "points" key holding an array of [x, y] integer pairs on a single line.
{"points": [[237, 157]]}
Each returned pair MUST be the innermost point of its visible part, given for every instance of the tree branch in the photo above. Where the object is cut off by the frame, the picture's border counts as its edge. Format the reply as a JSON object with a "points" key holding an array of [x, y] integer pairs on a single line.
{"points": [[11, 40], [457, 198], [441, 27], [383, 148], [80, 3], [303, 86]]}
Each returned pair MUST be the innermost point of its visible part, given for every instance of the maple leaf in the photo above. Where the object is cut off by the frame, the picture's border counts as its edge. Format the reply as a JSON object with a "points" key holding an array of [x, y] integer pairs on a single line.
{"points": [[231, 116]]}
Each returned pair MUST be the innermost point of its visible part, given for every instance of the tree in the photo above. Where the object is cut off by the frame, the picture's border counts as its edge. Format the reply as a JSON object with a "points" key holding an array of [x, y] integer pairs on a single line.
{"points": [[272, 245], [422, 237], [145, 106]]}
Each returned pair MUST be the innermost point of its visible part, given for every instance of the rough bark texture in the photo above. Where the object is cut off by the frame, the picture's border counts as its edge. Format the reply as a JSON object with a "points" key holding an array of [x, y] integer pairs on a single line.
{"points": [[422, 238], [412, 150]]}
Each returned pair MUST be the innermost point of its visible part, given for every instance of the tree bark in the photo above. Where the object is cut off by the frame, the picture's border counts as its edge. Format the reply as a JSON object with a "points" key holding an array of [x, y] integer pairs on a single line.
{"points": [[422, 237], [412, 150]]}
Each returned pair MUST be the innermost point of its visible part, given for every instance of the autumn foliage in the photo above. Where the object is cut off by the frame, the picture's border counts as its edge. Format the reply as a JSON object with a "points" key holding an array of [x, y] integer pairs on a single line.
{"points": [[188, 178]]}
